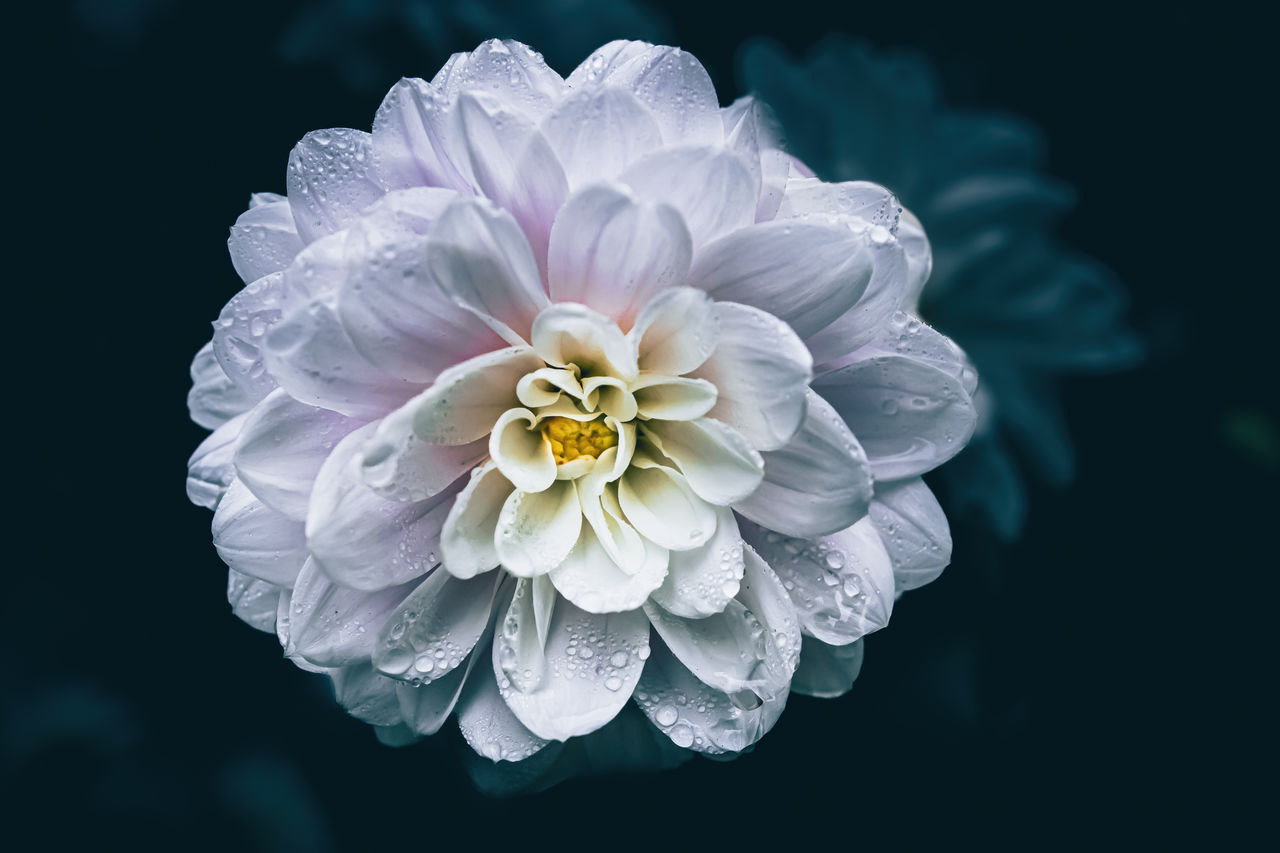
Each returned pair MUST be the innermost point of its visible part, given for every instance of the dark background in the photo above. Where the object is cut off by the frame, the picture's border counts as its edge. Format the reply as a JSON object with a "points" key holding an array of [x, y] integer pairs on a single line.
{"points": [[1104, 679]]}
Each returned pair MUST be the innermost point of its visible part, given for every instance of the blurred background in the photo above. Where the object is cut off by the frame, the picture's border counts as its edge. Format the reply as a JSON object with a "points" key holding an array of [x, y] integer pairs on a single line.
{"points": [[1091, 666]]}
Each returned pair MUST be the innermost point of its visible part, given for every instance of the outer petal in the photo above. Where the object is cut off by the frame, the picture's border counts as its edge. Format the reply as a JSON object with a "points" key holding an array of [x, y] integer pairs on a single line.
{"points": [[676, 89], [480, 257], [612, 253], [509, 160], [214, 398], [806, 273], [395, 315], [255, 540], [254, 601], [693, 715], [210, 469], [712, 187], [310, 354], [366, 695], [593, 664], [432, 631], [827, 671], [717, 461], [596, 133], [842, 584], [914, 531], [329, 181], [332, 625], [488, 725], [761, 370], [408, 138], [702, 581], [425, 707], [264, 240], [239, 330], [363, 540], [281, 447], [820, 482], [521, 639], [590, 579], [909, 416]]}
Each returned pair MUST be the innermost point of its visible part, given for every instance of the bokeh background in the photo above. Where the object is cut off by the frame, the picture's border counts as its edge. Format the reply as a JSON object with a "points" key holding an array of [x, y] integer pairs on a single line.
{"points": [[1099, 677]]}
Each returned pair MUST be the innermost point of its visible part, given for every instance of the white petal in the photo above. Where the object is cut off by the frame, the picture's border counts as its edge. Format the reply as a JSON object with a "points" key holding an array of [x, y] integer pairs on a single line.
{"points": [[214, 398], [702, 581], [596, 133], [365, 541], [820, 482], [883, 296], [664, 508], [281, 447], [210, 469], [593, 664], [521, 452], [264, 240], [914, 531], [598, 68], [806, 273], [329, 181], [332, 625], [695, 716], [676, 331], [488, 725], [508, 160], [432, 631], [239, 331], [512, 70], [425, 707], [408, 138], [253, 601], [827, 671], [721, 466], [568, 333], [521, 636], [465, 401], [537, 530], [613, 253], [842, 584], [480, 257], [593, 581], [467, 540], [366, 694], [673, 398], [310, 354], [712, 188], [749, 646], [395, 314], [676, 89], [909, 416], [761, 371], [256, 540]]}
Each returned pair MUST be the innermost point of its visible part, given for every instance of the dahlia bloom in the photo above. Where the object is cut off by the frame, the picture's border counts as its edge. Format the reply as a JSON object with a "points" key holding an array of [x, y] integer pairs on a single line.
{"points": [[550, 395], [1026, 310]]}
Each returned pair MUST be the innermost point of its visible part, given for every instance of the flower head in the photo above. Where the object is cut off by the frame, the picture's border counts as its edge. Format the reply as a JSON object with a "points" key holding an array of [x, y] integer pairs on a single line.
{"points": [[553, 394]]}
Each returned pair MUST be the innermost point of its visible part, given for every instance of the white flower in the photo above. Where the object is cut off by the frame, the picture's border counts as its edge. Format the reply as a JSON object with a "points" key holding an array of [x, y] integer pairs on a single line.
{"points": [[552, 394]]}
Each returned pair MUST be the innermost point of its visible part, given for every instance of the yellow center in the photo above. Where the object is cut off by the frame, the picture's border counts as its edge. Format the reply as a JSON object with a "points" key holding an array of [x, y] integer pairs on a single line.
{"points": [[571, 439]]}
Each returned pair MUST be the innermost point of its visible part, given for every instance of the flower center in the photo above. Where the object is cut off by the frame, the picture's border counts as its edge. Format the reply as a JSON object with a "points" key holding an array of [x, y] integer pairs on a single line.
{"points": [[571, 439]]}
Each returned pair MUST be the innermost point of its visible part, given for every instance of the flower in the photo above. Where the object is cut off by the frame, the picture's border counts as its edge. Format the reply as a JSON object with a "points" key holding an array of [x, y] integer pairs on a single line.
{"points": [[1024, 308], [553, 394]]}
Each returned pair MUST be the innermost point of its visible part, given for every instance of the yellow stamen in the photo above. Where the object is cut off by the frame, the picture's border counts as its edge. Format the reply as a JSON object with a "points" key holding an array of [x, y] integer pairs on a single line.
{"points": [[571, 439]]}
